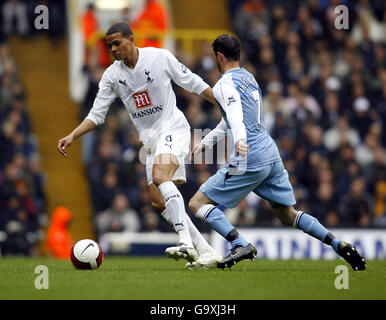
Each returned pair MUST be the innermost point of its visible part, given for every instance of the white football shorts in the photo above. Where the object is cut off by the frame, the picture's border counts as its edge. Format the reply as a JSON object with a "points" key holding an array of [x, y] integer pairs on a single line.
{"points": [[169, 142]]}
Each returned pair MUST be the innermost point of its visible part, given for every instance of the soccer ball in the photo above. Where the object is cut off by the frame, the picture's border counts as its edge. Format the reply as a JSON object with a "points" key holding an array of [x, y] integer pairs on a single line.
{"points": [[86, 254]]}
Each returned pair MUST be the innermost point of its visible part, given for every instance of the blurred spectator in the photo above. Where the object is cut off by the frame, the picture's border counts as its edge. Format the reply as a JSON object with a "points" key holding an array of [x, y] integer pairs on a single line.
{"points": [[150, 24], [264, 216], [315, 141], [355, 208], [331, 111], [205, 62], [364, 153], [307, 26], [374, 171], [152, 221], [340, 134], [126, 15], [380, 199], [273, 104], [195, 113], [21, 234], [323, 206], [246, 12], [367, 27], [89, 22], [302, 105], [119, 218], [104, 194], [94, 44], [59, 240], [242, 215], [361, 118]]}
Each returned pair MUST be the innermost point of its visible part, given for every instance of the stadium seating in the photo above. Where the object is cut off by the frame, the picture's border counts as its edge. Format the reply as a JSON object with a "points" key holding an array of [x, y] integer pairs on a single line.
{"points": [[22, 181]]}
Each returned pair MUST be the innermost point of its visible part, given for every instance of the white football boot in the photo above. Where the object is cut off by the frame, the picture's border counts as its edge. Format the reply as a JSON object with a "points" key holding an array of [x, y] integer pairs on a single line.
{"points": [[206, 260], [182, 251]]}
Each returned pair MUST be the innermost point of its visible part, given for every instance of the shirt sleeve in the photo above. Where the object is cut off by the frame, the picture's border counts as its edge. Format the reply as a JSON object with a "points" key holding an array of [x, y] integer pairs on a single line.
{"points": [[182, 75], [217, 134], [103, 99], [230, 101]]}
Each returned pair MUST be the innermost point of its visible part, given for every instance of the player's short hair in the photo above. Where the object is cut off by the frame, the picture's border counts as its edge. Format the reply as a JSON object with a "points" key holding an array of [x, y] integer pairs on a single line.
{"points": [[228, 45], [121, 27]]}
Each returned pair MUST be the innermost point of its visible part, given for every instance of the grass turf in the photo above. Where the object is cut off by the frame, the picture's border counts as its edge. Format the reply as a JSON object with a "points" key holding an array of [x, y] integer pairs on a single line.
{"points": [[156, 278]]}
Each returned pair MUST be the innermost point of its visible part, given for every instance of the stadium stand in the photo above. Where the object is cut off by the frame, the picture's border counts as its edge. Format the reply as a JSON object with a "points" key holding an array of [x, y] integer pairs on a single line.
{"points": [[24, 200], [22, 195]]}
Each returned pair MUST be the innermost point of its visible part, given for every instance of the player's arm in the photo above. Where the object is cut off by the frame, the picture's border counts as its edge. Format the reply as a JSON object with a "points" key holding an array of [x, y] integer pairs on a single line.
{"points": [[217, 134], [207, 94], [230, 101], [86, 126], [214, 136], [186, 79], [96, 116]]}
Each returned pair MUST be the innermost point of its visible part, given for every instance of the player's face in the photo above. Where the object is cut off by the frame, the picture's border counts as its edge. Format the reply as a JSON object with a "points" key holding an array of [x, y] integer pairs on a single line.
{"points": [[121, 47]]}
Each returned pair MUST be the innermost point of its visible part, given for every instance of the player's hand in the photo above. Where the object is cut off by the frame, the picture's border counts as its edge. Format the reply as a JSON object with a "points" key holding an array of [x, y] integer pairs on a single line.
{"points": [[64, 143], [199, 147], [242, 148]]}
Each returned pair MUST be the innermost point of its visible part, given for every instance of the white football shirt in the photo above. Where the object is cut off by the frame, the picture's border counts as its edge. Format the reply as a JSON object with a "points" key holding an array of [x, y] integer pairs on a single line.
{"points": [[146, 92]]}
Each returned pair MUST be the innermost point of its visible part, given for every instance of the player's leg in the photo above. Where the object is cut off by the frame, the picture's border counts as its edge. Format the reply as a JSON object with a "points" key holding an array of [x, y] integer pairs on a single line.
{"points": [[206, 253], [164, 167], [278, 190], [310, 225], [228, 190], [206, 209], [303, 221]]}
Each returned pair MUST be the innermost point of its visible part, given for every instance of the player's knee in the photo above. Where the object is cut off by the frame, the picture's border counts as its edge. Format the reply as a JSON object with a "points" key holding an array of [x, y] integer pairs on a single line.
{"points": [[158, 206], [285, 220], [160, 175], [159, 178], [193, 205], [286, 215], [290, 216]]}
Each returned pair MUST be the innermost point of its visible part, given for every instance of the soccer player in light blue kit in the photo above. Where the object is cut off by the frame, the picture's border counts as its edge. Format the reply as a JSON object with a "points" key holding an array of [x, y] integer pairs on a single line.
{"points": [[255, 164]]}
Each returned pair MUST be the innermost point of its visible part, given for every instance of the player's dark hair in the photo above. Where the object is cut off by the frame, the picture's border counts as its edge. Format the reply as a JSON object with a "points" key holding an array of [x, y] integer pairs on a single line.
{"points": [[229, 46], [121, 27]]}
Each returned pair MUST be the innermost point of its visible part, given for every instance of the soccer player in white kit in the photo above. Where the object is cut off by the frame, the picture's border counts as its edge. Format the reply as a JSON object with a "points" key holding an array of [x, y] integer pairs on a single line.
{"points": [[141, 78]]}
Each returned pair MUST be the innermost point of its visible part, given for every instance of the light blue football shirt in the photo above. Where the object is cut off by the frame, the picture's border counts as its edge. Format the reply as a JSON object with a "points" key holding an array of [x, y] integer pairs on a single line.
{"points": [[240, 101]]}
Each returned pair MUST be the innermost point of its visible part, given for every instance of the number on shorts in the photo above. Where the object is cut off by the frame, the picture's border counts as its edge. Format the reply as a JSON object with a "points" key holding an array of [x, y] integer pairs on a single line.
{"points": [[168, 138]]}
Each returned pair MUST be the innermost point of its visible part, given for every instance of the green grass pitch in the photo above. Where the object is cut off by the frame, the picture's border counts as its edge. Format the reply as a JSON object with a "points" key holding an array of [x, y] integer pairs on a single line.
{"points": [[159, 278]]}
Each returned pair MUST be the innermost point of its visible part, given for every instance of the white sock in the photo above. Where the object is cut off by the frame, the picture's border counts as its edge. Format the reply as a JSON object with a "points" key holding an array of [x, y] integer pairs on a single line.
{"points": [[175, 207], [199, 242]]}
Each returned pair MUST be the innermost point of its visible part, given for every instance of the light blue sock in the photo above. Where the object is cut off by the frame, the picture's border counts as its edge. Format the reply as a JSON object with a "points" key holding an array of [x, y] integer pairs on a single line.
{"points": [[312, 226], [334, 243], [219, 222]]}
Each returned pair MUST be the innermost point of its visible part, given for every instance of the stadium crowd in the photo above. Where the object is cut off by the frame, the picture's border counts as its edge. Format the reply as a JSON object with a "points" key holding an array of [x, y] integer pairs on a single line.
{"points": [[324, 99], [22, 195], [22, 180]]}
